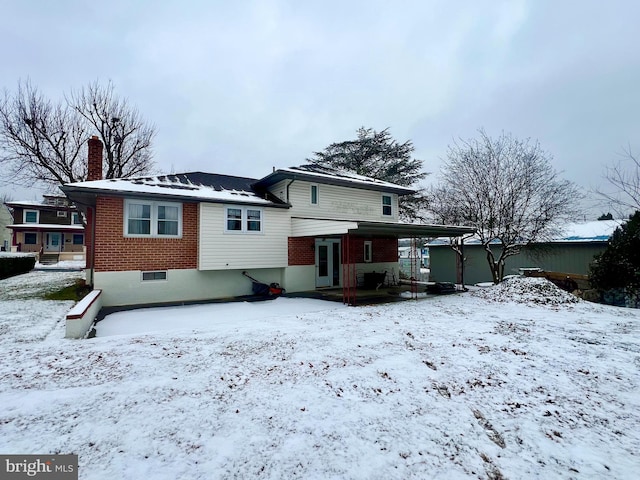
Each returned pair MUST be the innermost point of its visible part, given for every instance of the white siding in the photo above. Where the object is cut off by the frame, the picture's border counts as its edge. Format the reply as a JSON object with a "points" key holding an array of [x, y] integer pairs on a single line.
{"points": [[335, 202], [219, 250], [304, 227]]}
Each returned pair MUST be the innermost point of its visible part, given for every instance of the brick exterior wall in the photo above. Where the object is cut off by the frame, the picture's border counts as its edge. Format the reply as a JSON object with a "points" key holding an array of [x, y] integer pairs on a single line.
{"points": [[115, 252], [383, 249], [302, 252]]}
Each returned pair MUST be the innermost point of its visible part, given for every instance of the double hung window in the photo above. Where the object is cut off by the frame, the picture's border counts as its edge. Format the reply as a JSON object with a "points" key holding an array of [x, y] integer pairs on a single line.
{"points": [[243, 219], [152, 219], [31, 216], [386, 205]]}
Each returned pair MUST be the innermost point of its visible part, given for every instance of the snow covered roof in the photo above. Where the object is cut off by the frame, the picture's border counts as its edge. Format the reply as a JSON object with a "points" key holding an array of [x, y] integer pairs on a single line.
{"points": [[332, 176], [45, 226], [38, 204], [585, 232], [193, 185]]}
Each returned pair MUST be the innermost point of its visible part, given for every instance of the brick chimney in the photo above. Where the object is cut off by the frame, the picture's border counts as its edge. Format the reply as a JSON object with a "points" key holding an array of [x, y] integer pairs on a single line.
{"points": [[94, 161]]}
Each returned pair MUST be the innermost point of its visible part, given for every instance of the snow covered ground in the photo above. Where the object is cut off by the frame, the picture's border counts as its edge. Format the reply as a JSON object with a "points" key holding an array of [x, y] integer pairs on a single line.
{"points": [[486, 384]]}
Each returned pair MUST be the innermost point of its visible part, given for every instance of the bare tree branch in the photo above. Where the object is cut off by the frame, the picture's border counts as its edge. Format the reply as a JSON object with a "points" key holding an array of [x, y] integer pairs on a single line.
{"points": [[45, 142], [624, 179]]}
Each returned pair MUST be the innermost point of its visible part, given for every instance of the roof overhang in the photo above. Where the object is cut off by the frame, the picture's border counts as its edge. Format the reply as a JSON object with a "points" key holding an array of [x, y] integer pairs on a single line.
{"points": [[303, 227], [290, 174], [402, 230], [46, 227], [85, 196]]}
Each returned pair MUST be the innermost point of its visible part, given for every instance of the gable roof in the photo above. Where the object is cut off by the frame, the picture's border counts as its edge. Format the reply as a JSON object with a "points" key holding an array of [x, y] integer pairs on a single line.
{"points": [[331, 176], [194, 186]]}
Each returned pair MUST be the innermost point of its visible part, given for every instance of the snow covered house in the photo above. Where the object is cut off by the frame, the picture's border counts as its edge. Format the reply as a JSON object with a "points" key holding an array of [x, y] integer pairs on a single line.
{"points": [[51, 228], [190, 236]]}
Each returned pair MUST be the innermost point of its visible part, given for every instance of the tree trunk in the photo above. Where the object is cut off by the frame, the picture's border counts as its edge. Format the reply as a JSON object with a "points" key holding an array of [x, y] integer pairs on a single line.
{"points": [[494, 267]]}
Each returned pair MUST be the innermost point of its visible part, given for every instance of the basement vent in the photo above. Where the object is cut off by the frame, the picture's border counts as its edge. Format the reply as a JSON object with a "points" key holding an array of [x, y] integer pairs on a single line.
{"points": [[151, 276]]}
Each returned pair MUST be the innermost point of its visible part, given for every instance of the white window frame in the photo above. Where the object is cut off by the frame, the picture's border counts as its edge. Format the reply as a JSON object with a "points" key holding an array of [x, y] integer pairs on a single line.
{"points": [[312, 187], [76, 219], [390, 205], [244, 220], [154, 218], [368, 251], [24, 216], [61, 213]]}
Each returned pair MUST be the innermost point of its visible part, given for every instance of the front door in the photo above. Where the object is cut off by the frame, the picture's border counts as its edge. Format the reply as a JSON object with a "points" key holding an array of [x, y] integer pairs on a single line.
{"points": [[52, 243], [328, 263]]}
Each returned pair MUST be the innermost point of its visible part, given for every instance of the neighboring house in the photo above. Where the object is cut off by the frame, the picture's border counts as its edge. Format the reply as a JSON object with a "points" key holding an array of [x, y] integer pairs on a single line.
{"points": [[572, 252], [5, 233], [52, 227], [190, 236]]}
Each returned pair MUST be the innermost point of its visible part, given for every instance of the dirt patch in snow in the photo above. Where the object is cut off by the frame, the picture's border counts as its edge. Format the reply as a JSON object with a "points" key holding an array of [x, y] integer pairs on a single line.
{"points": [[539, 291]]}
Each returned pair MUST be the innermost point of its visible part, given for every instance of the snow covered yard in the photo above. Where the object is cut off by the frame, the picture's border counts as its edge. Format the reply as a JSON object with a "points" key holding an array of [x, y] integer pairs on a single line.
{"points": [[488, 384]]}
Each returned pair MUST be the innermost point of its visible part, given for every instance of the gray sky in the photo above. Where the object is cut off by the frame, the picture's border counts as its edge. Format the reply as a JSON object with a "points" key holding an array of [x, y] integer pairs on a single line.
{"points": [[238, 87]]}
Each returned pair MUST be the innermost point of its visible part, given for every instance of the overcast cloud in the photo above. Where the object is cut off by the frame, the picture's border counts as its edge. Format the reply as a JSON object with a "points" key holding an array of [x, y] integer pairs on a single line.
{"points": [[239, 87]]}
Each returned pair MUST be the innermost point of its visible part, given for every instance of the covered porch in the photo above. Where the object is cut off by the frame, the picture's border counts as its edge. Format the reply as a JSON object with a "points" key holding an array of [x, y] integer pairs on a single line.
{"points": [[360, 259]]}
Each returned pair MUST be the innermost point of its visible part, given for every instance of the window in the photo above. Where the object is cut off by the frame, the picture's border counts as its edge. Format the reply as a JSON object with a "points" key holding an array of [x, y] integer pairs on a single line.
{"points": [[167, 220], [368, 254], [78, 239], [151, 276], [30, 238], [61, 213], [234, 219], [31, 216], [243, 220], [152, 219], [76, 219], [254, 220], [386, 205], [314, 194]]}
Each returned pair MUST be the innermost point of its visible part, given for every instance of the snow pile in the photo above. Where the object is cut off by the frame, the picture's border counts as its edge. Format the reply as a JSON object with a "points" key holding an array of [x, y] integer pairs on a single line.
{"points": [[529, 290]]}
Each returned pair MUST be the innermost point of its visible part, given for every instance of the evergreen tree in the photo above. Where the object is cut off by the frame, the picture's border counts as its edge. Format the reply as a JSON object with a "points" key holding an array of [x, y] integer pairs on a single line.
{"points": [[618, 267], [378, 155]]}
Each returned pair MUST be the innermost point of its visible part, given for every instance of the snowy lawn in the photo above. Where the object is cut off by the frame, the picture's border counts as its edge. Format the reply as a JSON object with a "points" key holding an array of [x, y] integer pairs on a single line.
{"points": [[487, 384]]}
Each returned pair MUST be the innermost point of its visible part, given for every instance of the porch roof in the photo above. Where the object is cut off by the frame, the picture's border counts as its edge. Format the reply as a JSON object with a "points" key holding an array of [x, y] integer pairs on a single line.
{"points": [[46, 226], [302, 227]]}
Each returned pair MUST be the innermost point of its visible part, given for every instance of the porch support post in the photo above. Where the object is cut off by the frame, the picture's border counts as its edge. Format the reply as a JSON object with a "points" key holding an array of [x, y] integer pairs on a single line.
{"points": [[462, 262], [349, 286]]}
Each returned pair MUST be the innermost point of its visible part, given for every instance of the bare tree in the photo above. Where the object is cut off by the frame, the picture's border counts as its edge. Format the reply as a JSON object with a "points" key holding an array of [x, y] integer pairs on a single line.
{"points": [[507, 189], [624, 178], [126, 136], [40, 141], [45, 142]]}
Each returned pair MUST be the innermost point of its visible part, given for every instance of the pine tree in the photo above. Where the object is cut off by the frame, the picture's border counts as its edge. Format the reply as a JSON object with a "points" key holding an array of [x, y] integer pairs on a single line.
{"points": [[618, 267], [378, 155]]}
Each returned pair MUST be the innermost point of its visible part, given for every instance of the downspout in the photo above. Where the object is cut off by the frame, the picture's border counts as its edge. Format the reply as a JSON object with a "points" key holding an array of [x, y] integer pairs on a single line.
{"points": [[287, 190], [93, 243]]}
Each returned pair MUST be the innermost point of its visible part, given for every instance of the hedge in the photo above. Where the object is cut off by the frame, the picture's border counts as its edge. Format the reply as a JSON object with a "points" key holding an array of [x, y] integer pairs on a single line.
{"points": [[10, 266]]}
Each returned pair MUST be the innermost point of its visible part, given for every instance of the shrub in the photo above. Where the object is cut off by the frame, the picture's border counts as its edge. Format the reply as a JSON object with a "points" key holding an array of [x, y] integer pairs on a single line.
{"points": [[16, 265]]}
